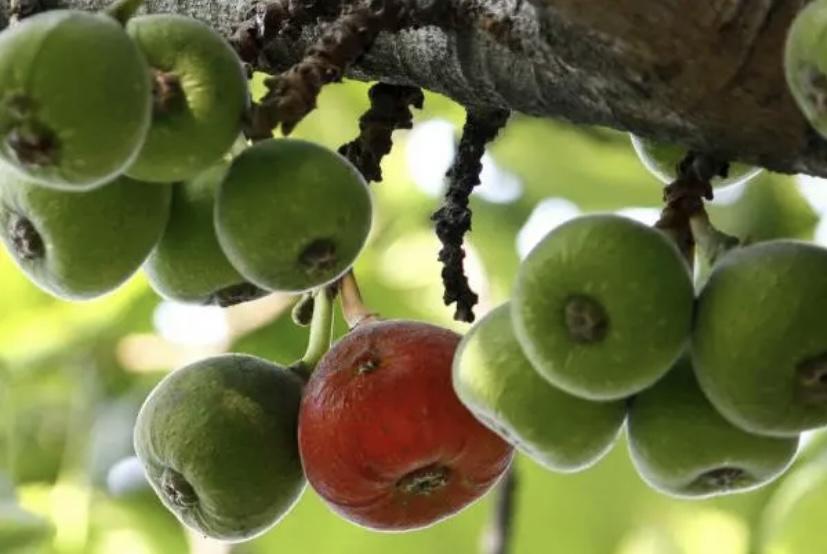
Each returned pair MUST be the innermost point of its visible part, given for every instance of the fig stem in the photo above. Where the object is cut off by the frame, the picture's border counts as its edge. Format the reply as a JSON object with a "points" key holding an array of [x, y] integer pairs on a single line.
{"points": [[123, 10], [321, 331], [711, 242], [240, 145], [353, 307]]}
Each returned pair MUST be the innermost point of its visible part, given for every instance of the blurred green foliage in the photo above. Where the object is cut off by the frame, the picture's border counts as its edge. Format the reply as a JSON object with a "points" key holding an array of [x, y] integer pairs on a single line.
{"points": [[72, 376]]}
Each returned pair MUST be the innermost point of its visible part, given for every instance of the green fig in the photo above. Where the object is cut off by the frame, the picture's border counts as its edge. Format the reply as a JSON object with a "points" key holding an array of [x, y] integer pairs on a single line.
{"points": [[292, 215], [497, 383], [79, 245], [805, 65], [199, 97], [759, 346], [74, 99], [683, 447], [188, 264], [218, 441], [603, 306], [662, 160]]}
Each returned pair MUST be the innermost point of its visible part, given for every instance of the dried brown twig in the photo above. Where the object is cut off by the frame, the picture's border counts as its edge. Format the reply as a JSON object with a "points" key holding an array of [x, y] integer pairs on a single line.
{"points": [[390, 109], [453, 219]]}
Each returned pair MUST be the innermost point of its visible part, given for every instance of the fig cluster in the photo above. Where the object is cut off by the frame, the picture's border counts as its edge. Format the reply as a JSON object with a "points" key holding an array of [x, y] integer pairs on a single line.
{"points": [[120, 148], [604, 326], [115, 152], [106, 171]]}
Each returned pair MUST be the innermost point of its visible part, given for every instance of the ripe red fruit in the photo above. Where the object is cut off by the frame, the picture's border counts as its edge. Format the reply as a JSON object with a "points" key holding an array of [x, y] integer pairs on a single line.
{"points": [[382, 435]]}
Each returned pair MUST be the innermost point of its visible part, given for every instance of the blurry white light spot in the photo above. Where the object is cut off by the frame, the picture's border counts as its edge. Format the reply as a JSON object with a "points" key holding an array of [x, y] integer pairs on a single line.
{"points": [[126, 476], [430, 150], [647, 216], [821, 232], [814, 189], [547, 215], [497, 185], [191, 325]]}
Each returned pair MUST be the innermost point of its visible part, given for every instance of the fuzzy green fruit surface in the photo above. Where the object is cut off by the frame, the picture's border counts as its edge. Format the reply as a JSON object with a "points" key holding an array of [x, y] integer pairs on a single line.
{"points": [[75, 99], [188, 264], [497, 383], [662, 160], [805, 63], [683, 447], [199, 97], [759, 343], [292, 215], [603, 306], [80, 245], [218, 441]]}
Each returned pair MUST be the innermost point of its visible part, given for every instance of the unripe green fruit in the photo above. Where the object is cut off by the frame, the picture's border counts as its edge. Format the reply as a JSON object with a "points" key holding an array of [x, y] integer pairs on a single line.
{"points": [[662, 159], [497, 383], [805, 64], [79, 245], [218, 441], [199, 97], [292, 215], [188, 264], [603, 306], [683, 447], [74, 99], [759, 345]]}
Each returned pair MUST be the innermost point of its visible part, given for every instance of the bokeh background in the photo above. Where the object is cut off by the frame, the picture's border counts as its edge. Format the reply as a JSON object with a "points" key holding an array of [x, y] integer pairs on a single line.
{"points": [[73, 375]]}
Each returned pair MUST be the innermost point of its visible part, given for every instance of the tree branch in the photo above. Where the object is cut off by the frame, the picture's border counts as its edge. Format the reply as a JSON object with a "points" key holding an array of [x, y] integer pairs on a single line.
{"points": [[706, 75]]}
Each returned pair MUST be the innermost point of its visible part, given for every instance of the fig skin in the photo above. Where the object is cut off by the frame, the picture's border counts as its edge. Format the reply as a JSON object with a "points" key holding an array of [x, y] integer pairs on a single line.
{"points": [[681, 446], [292, 215], [384, 439], [494, 380], [662, 159], [200, 96], [75, 99], [805, 67], [188, 265], [603, 306], [758, 344], [217, 439], [81, 245]]}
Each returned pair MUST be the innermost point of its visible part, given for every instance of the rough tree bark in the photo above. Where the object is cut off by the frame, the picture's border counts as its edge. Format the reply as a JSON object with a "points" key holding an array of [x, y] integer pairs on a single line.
{"points": [[704, 74]]}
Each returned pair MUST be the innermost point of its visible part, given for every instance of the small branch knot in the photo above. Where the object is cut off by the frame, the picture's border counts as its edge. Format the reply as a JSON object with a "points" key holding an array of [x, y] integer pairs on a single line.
{"points": [[292, 95], [685, 197]]}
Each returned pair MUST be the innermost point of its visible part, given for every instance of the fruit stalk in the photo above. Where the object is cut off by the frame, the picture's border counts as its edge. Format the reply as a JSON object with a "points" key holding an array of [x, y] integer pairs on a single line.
{"points": [[321, 331], [123, 10], [711, 242], [353, 307]]}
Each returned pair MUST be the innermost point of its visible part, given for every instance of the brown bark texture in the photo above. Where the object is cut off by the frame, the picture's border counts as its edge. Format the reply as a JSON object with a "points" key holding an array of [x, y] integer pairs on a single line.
{"points": [[707, 75]]}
